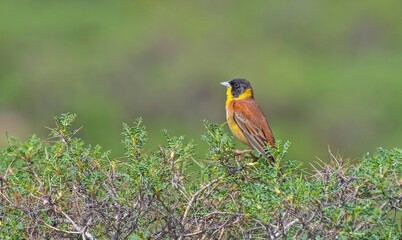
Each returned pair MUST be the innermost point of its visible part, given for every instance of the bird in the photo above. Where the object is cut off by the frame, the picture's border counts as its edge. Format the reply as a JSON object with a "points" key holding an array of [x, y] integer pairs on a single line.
{"points": [[245, 117]]}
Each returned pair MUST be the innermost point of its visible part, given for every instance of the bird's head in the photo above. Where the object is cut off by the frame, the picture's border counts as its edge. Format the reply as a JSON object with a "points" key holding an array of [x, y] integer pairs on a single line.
{"points": [[238, 88]]}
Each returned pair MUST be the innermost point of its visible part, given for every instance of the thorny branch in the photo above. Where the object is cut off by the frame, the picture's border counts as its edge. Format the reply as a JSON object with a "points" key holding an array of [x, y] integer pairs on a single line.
{"points": [[212, 209]]}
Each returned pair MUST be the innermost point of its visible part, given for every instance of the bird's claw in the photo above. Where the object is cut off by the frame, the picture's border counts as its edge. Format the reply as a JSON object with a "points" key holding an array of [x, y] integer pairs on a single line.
{"points": [[239, 152]]}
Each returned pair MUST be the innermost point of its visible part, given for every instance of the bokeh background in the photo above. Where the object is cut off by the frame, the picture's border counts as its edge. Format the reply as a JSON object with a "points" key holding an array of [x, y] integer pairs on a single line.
{"points": [[325, 73]]}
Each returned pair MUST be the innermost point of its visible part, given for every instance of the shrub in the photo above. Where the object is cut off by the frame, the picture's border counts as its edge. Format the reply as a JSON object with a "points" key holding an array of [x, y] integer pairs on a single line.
{"points": [[61, 188]]}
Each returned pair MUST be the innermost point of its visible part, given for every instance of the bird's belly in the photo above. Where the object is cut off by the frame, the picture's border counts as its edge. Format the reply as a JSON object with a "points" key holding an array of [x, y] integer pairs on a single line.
{"points": [[237, 131]]}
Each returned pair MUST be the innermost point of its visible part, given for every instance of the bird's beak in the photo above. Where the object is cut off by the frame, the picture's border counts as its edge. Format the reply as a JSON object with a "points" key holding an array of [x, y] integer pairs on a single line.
{"points": [[226, 84]]}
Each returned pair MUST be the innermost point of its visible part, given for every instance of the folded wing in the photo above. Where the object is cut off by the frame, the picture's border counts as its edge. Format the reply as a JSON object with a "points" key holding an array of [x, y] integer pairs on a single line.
{"points": [[252, 123]]}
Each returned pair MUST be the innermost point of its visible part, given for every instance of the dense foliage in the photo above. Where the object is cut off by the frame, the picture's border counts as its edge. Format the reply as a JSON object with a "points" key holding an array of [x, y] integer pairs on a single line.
{"points": [[62, 188]]}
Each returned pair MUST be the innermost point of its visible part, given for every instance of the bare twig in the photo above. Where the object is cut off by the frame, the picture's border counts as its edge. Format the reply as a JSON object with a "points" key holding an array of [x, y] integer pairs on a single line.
{"points": [[190, 203]]}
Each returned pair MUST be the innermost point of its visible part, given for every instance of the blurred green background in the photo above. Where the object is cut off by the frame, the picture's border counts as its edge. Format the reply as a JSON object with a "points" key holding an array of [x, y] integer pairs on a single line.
{"points": [[325, 73]]}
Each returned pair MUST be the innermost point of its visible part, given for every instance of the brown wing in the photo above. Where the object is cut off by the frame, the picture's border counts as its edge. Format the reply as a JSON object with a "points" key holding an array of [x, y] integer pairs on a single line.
{"points": [[252, 123]]}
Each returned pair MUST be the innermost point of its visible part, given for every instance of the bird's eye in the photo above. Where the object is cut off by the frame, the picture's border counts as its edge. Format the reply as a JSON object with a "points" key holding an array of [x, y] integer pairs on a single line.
{"points": [[236, 85]]}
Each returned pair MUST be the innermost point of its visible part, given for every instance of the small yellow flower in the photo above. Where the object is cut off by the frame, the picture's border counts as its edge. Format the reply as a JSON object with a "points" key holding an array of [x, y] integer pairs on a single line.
{"points": [[278, 191]]}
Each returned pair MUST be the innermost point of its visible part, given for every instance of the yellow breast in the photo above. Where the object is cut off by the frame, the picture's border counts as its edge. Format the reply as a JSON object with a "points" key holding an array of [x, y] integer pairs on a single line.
{"points": [[229, 113]]}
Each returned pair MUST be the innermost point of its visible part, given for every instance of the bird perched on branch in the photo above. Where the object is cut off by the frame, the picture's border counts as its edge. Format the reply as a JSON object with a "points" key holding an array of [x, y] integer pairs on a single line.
{"points": [[245, 118]]}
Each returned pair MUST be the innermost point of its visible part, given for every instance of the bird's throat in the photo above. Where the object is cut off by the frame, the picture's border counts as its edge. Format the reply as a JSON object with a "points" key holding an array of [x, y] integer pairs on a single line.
{"points": [[246, 94]]}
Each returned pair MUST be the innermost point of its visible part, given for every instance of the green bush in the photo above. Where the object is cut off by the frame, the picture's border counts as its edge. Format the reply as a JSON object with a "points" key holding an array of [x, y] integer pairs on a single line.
{"points": [[61, 188]]}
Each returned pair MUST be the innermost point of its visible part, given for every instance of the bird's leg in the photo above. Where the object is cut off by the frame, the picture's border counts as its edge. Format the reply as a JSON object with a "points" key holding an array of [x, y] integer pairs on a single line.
{"points": [[239, 152]]}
